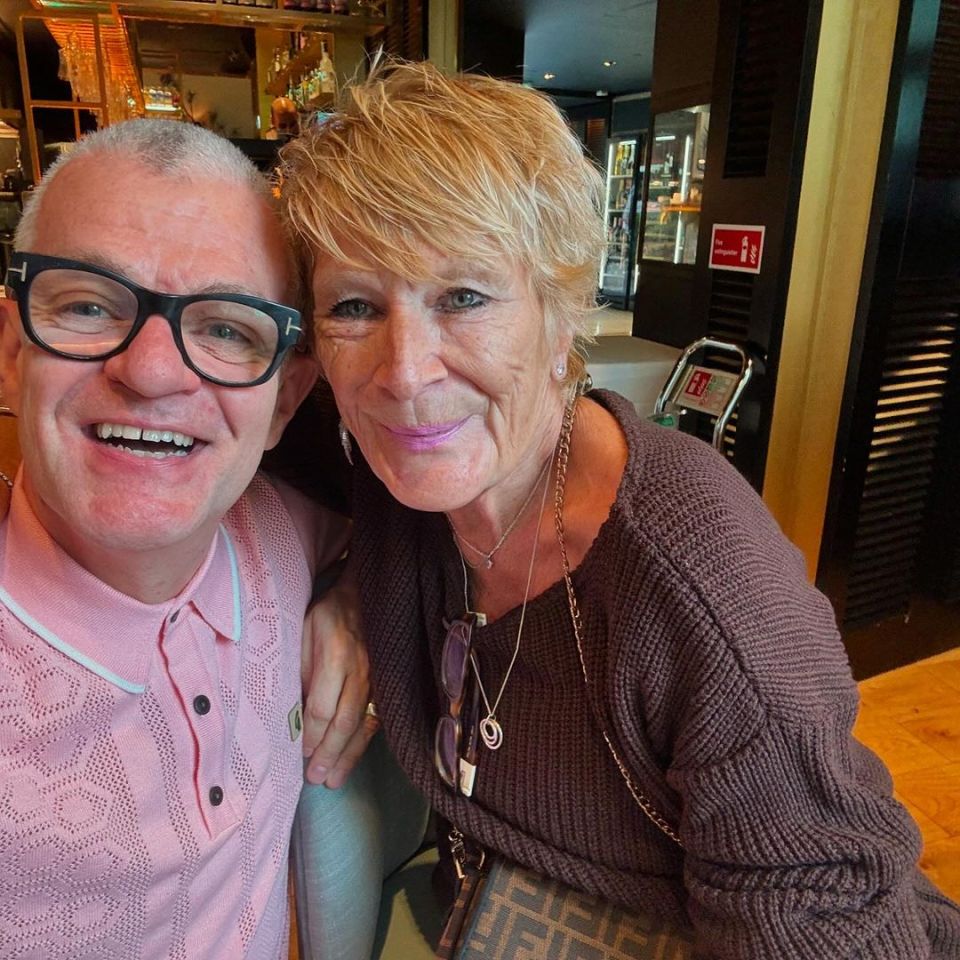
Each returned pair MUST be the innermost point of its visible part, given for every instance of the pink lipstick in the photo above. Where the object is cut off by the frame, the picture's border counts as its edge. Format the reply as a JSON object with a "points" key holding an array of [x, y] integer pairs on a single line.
{"points": [[427, 436]]}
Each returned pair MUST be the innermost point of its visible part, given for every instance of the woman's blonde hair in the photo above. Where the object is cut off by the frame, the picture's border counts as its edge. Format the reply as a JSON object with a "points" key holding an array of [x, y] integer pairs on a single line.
{"points": [[468, 165]]}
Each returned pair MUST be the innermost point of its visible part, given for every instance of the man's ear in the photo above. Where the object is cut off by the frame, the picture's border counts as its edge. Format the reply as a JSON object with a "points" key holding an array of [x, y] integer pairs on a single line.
{"points": [[10, 345], [297, 375]]}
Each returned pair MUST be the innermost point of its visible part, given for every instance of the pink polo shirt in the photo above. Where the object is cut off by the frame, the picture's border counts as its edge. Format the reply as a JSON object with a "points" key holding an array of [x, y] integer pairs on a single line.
{"points": [[150, 755]]}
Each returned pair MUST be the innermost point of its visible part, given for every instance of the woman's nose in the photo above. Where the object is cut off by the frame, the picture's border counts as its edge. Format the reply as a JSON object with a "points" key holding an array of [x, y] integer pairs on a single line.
{"points": [[152, 364], [409, 352]]}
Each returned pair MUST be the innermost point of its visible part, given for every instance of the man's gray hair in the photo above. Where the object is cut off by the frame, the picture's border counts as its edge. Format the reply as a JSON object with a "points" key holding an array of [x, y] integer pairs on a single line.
{"points": [[168, 147]]}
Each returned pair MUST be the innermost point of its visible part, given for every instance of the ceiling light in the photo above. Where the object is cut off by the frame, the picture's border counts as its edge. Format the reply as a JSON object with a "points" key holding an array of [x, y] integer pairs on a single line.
{"points": [[549, 76], [609, 63]]}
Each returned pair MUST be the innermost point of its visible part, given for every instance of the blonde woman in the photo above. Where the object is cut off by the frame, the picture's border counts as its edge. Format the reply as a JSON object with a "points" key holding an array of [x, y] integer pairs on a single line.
{"points": [[450, 229]]}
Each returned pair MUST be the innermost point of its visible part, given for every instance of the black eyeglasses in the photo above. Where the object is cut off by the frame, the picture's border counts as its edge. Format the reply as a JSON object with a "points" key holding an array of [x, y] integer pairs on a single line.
{"points": [[455, 741], [82, 312]]}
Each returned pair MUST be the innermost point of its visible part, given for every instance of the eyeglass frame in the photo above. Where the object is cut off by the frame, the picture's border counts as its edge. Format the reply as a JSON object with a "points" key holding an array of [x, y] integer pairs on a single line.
{"points": [[468, 702], [25, 267]]}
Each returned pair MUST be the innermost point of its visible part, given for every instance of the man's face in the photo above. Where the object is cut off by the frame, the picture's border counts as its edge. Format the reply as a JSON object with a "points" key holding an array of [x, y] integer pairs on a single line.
{"points": [[172, 235]]}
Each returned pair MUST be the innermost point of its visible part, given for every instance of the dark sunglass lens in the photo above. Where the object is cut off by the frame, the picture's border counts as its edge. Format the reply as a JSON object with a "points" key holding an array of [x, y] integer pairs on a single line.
{"points": [[445, 750], [453, 666]]}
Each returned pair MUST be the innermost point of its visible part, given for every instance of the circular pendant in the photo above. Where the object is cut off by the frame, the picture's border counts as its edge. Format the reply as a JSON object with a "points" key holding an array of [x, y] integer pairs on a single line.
{"points": [[491, 733]]}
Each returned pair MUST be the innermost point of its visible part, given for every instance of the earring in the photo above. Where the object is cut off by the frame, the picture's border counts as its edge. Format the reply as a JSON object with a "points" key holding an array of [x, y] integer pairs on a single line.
{"points": [[561, 369], [345, 442]]}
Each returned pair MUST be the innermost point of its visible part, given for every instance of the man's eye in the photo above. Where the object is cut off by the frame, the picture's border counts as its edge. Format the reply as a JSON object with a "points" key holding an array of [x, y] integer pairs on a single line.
{"points": [[225, 331], [462, 300], [352, 310], [84, 308]]}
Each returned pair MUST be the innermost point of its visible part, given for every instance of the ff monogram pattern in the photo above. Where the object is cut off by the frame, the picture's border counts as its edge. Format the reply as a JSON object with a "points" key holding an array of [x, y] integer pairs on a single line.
{"points": [[523, 916]]}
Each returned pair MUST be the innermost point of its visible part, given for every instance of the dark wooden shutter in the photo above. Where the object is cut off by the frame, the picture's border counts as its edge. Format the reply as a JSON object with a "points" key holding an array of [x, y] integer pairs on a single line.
{"points": [[755, 79], [914, 383], [890, 559], [404, 36]]}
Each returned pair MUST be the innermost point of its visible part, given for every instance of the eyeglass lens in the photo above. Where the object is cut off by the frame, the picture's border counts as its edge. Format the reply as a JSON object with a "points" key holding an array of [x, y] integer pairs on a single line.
{"points": [[453, 663], [85, 315], [453, 673], [446, 749]]}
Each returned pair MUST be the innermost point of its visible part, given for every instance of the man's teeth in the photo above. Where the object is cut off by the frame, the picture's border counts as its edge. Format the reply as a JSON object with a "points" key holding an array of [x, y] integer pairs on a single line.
{"points": [[123, 431]]}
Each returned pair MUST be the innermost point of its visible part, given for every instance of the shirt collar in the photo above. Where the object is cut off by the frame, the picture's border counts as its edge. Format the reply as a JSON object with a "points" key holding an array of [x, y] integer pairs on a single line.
{"points": [[109, 633]]}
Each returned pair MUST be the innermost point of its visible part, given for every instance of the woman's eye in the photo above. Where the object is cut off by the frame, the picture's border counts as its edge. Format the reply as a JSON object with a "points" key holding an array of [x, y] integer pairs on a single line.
{"points": [[462, 300], [352, 310]]}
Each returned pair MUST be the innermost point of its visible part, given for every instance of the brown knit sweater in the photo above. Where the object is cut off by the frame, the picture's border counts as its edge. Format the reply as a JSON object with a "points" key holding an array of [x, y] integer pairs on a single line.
{"points": [[719, 674]]}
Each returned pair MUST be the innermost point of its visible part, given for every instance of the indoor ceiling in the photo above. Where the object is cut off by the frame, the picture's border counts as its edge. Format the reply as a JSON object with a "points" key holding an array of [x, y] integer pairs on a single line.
{"points": [[572, 38]]}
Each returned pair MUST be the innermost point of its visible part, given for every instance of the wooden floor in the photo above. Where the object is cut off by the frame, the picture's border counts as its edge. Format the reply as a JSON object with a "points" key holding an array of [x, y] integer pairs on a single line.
{"points": [[911, 718]]}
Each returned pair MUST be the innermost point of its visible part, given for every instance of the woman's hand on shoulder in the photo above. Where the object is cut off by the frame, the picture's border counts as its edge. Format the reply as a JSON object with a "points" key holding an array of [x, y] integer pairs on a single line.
{"points": [[335, 672]]}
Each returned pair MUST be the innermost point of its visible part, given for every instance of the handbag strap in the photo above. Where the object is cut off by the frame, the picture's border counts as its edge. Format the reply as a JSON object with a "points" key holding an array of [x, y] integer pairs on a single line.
{"points": [[563, 456]]}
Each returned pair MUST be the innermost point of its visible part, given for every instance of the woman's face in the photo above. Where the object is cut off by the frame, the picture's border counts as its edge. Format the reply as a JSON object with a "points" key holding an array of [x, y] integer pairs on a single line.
{"points": [[450, 387]]}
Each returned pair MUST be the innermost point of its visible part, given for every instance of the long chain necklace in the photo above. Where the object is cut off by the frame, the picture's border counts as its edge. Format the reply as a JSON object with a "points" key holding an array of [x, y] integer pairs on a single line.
{"points": [[490, 730], [563, 458], [486, 556]]}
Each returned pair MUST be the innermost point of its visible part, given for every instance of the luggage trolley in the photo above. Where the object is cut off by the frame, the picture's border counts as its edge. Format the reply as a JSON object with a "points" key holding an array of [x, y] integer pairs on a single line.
{"points": [[692, 386]]}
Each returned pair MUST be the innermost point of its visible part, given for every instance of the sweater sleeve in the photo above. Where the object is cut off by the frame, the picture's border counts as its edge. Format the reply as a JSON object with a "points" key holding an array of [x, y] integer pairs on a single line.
{"points": [[792, 851], [795, 848]]}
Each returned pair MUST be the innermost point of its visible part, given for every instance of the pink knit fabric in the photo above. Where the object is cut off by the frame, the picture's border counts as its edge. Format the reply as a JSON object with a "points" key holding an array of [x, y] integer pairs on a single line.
{"points": [[112, 843]]}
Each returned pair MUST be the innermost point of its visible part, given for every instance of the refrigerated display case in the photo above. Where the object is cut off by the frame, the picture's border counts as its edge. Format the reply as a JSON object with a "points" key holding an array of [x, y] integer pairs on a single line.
{"points": [[625, 169], [678, 154]]}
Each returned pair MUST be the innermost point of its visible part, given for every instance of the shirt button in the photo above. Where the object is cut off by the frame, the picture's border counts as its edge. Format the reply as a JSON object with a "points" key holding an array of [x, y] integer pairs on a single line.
{"points": [[174, 615], [201, 704], [216, 796]]}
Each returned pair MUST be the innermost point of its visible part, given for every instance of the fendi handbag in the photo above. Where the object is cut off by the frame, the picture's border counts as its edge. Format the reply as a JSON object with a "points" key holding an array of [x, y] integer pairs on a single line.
{"points": [[506, 912]]}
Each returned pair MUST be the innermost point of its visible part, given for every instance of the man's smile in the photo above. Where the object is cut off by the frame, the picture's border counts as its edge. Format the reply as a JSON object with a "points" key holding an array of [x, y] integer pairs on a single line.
{"points": [[145, 441]]}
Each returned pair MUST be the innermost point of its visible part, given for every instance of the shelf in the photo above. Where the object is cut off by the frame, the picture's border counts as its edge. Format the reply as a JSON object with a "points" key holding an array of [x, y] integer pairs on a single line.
{"points": [[308, 58], [680, 208], [229, 14], [621, 176], [119, 72]]}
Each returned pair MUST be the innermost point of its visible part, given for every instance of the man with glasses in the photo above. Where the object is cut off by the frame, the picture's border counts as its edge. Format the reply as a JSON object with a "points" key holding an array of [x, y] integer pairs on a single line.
{"points": [[152, 589]]}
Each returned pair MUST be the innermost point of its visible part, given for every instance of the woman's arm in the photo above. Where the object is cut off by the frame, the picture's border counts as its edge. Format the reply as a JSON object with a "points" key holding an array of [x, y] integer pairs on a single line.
{"points": [[795, 848]]}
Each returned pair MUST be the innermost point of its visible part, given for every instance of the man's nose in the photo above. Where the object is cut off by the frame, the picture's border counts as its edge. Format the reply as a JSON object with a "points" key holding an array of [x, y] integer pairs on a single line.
{"points": [[409, 352], [152, 365]]}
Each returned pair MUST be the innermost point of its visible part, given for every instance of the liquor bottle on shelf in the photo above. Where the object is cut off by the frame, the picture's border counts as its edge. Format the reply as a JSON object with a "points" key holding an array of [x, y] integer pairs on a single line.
{"points": [[341, 7], [324, 6], [328, 76]]}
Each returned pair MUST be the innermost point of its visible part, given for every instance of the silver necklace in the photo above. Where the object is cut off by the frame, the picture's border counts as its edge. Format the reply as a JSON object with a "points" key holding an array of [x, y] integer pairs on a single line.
{"points": [[490, 730], [486, 556]]}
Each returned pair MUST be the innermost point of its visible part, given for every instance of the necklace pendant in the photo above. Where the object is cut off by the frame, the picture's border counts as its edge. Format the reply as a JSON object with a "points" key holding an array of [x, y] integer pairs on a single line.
{"points": [[488, 563], [491, 732]]}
